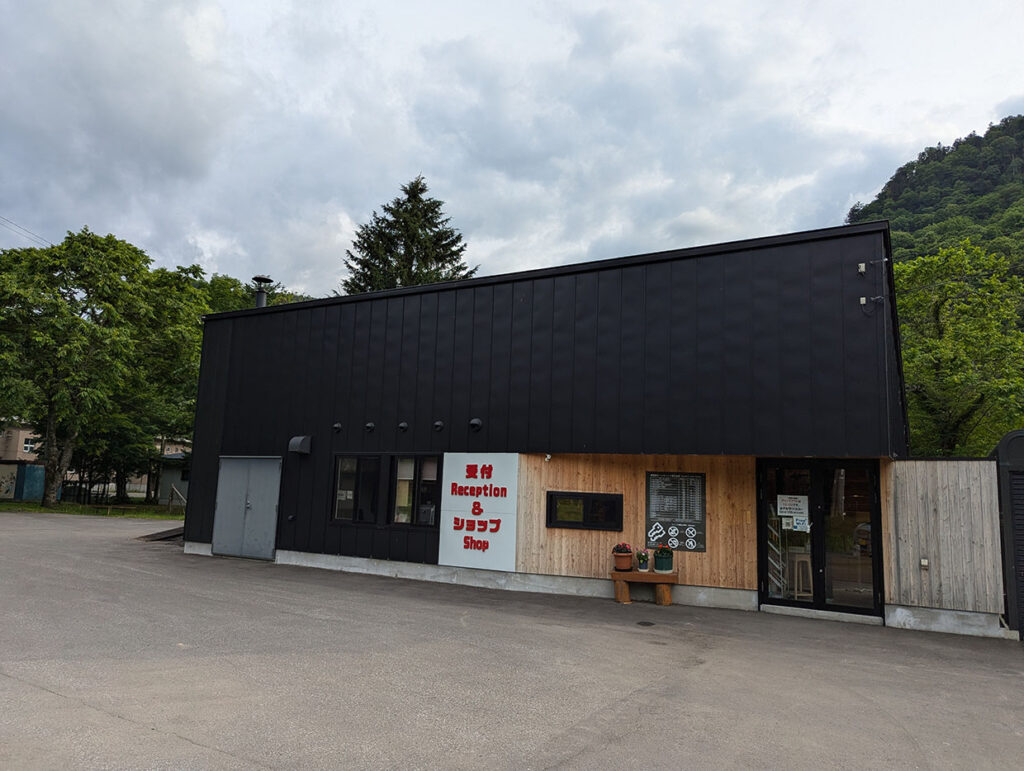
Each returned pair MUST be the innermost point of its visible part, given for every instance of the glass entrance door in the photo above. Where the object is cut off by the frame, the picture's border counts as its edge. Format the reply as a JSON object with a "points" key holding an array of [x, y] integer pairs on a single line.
{"points": [[819, 534], [847, 529]]}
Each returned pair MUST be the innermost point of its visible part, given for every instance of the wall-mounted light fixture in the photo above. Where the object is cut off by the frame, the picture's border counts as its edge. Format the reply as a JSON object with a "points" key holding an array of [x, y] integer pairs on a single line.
{"points": [[476, 424], [403, 426], [337, 428], [439, 425], [368, 428]]}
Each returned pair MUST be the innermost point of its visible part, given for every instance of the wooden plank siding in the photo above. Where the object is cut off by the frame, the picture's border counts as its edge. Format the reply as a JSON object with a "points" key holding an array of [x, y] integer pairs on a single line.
{"points": [[731, 557], [945, 511], [890, 557]]}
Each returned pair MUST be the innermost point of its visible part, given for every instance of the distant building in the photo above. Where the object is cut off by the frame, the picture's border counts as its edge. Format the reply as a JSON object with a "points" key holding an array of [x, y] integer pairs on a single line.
{"points": [[19, 442], [174, 473]]}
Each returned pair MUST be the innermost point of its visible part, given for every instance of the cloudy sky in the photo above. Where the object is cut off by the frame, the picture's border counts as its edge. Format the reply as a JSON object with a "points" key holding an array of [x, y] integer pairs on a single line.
{"points": [[254, 136]]}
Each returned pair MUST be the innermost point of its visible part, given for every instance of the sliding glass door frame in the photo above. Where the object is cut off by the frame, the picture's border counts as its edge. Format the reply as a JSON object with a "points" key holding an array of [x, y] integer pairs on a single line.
{"points": [[821, 471]]}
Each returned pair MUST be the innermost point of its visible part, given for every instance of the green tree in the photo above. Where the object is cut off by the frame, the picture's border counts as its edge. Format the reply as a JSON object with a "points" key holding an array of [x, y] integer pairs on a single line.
{"points": [[226, 293], [165, 371], [67, 314], [411, 243], [96, 349], [963, 350]]}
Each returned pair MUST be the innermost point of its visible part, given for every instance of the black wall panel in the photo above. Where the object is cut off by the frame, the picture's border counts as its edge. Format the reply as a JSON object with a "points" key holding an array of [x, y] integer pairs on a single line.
{"points": [[657, 382], [584, 357], [208, 436], [444, 364], [632, 319], [496, 427], [422, 401], [562, 387], [755, 348], [607, 361], [765, 375], [480, 370], [540, 366], [707, 407], [682, 341], [520, 369]]}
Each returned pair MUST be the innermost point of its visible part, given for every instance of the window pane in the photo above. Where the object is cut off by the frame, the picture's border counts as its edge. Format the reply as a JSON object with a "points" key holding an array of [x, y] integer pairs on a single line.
{"points": [[428, 499], [345, 491], [403, 501], [790, 571], [849, 577], [429, 473], [601, 512], [569, 510], [594, 511], [405, 473], [366, 495]]}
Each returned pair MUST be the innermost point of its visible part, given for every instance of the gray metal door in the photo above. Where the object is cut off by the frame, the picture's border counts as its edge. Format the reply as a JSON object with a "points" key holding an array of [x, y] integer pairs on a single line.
{"points": [[245, 517]]}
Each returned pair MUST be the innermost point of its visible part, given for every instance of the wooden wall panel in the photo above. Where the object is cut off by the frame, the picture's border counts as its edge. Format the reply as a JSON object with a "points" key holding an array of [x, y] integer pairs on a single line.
{"points": [[885, 493], [731, 557], [948, 513]]}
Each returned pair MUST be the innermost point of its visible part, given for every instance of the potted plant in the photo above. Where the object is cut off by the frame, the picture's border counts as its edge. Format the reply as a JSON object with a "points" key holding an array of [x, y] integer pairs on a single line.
{"points": [[643, 560], [623, 554], [663, 559]]}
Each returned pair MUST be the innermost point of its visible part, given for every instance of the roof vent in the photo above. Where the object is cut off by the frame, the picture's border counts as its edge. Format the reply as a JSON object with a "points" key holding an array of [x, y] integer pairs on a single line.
{"points": [[261, 283]]}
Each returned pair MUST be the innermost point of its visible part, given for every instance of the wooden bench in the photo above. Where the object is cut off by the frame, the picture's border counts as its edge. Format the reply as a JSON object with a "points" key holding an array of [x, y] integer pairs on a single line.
{"points": [[663, 583]]}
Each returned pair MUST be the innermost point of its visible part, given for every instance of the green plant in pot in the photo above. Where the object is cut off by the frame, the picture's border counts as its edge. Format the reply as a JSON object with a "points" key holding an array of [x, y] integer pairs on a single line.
{"points": [[663, 559], [623, 555], [643, 560]]}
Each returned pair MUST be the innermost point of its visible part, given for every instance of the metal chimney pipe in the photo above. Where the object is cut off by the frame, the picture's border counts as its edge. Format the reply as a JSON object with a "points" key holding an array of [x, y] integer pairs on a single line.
{"points": [[261, 290]]}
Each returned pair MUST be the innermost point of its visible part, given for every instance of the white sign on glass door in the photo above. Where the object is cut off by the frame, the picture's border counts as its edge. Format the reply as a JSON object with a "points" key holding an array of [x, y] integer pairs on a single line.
{"points": [[792, 505]]}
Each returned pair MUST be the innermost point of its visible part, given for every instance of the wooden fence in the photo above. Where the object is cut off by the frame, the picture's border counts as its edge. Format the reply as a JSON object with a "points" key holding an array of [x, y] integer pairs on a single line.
{"points": [[945, 512]]}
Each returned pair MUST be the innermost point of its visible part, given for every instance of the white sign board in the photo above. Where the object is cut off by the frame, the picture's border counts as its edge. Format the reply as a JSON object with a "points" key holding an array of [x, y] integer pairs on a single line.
{"points": [[478, 510], [794, 509], [792, 505]]}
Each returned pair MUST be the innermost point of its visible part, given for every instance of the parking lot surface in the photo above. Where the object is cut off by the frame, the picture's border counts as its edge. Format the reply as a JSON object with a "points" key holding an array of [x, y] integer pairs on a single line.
{"points": [[118, 653]]}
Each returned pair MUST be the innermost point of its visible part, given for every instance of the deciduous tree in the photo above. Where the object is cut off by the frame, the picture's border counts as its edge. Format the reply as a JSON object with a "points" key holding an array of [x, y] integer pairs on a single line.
{"points": [[67, 314], [96, 347], [963, 350]]}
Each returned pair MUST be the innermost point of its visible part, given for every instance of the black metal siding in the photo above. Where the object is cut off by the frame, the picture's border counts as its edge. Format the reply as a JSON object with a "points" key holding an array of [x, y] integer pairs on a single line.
{"points": [[1010, 455], [758, 348]]}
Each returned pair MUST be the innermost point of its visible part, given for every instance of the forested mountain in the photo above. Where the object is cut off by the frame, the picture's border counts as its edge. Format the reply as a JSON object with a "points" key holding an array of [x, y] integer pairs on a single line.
{"points": [[957, 220], [972, 189]]}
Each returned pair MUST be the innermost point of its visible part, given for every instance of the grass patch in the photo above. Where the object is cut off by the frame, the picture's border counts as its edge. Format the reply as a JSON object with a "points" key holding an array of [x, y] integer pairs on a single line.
{"points": [[131, 510]]}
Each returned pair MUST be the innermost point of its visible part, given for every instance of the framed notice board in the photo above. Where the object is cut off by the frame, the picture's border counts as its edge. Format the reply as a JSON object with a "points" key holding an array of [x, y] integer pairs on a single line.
{"points": [[676, 512]]}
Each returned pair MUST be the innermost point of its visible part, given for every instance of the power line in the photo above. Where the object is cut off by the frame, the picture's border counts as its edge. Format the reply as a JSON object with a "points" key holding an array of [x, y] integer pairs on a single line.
{"points": [[25, 233]]}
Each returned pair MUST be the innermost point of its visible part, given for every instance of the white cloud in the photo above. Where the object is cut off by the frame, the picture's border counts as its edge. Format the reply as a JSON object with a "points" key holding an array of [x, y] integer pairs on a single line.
{"points": [[255, 136]]}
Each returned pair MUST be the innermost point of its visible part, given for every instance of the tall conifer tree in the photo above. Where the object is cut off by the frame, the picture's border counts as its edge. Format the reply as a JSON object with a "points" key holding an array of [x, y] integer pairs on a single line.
{"points": [[411, 243]]}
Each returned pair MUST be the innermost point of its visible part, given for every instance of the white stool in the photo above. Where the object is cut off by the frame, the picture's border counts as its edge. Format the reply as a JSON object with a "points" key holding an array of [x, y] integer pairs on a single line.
{"points": [[800, 576]]}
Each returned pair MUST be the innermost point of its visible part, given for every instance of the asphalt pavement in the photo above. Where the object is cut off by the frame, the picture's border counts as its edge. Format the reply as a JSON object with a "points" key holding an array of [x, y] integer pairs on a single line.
{"points": [[119, 653]]}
